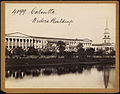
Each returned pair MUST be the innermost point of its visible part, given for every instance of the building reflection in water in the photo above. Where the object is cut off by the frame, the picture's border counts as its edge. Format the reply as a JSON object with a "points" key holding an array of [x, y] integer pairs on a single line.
{"points": [[61, 70], [106, 72]]}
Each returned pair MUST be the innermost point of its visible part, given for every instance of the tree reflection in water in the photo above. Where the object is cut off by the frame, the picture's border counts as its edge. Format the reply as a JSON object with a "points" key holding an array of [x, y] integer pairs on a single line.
{"points": [[58, 70]]}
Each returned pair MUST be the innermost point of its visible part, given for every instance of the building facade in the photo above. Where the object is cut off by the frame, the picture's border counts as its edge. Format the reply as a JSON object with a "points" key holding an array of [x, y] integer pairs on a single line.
{"points": [[17, 39]]}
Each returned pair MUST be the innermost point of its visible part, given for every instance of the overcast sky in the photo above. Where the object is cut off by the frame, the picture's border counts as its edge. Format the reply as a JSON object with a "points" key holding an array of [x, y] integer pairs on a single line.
{"points": [[89, 20]]}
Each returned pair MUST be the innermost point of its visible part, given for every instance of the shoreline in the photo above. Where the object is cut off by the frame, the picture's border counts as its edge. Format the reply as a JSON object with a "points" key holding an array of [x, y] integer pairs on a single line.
{"points": [[56, 62]]}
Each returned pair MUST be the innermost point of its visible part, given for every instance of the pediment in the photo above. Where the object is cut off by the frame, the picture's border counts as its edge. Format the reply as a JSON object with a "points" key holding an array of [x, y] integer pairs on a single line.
{"points": [[17, 34], [86, 39]]}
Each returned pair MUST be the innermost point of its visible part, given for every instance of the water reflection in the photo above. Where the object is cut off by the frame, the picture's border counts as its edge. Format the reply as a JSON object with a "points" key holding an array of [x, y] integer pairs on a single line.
{"points": [[106, 72], [106, 75], [20, 73]]}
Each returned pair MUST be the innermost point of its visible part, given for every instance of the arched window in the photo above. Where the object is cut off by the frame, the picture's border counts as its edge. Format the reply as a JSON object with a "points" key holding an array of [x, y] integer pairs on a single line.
{"points": [[108, 36], [105, 36]]}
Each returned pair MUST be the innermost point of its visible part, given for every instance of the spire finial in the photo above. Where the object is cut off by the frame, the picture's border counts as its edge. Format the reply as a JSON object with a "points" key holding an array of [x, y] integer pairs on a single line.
{"points": [[107, 22], [106, 27]]}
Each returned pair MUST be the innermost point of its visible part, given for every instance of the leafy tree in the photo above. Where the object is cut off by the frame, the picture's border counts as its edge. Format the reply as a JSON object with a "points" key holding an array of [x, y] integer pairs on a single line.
{"points": [[32, 51], [79, 46], [69, 54], [61, 47], [46, 53], [90, 52], [8, 53], [112, 53], [18, 51], [80, 51], [106, 51], [100, 52], [51, 47]]}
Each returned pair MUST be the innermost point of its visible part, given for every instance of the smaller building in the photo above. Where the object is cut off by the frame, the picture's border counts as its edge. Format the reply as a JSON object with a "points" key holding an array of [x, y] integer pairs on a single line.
{"points": [[106, 45]]}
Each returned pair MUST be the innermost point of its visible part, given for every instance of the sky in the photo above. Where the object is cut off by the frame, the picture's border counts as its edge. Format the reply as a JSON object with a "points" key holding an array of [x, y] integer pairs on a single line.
{"points": [[88, 20]]}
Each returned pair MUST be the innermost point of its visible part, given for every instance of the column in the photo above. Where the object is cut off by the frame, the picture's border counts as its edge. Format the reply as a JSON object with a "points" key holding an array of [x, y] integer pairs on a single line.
{"points": [[25, 43], [22, 43], [32, 42], [8, 43], [19, 42], [11, 43], [38, 44], [35, 43], [15, 43], [29, 43]]}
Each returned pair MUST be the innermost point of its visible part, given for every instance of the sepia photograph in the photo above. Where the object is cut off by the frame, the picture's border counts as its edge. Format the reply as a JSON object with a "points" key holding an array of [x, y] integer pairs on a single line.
{"points": [[60, 45]]}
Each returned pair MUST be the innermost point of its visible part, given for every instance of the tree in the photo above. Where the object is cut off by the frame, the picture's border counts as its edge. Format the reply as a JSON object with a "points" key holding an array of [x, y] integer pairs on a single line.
{"points": [[61, 47], [46, 53], [106, 51], [69, 54], [8, 53], [79, 46], [100, 52], [32, 51], [90, 52], [18, 51], [80, 51], [51, 47], [112, 53]]}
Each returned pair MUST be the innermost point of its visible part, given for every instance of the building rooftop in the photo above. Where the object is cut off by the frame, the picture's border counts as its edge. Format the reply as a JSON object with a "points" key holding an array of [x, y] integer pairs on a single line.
{"points": [[18, 34]]}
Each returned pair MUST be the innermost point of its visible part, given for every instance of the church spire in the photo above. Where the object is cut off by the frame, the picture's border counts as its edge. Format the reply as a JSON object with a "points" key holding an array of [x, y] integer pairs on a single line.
{"points": [[107, 23], [106, 27], [106, 38]]}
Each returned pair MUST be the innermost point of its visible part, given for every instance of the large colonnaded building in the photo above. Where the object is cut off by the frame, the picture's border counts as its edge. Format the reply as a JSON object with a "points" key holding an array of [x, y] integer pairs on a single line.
{"points": [[14, 40], [17, 39]]}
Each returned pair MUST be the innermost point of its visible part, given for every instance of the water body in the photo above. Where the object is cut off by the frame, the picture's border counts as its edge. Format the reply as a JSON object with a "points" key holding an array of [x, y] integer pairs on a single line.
{"points": [[77, 76]]}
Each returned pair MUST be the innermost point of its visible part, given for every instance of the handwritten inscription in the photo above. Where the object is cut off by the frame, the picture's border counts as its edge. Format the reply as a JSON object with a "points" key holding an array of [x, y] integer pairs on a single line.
{"points": [[19, 11], [52, 20], [34, 10], [40, 11]]}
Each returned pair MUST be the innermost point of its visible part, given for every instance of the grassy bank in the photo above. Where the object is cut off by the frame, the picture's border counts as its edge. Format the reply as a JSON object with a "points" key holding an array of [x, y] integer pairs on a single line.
{"points": [[57, 61]]}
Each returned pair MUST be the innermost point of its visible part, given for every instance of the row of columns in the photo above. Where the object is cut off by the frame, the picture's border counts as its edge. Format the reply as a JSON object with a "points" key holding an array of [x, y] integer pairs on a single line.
{"points": [[24, 43], [18, 43]]}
